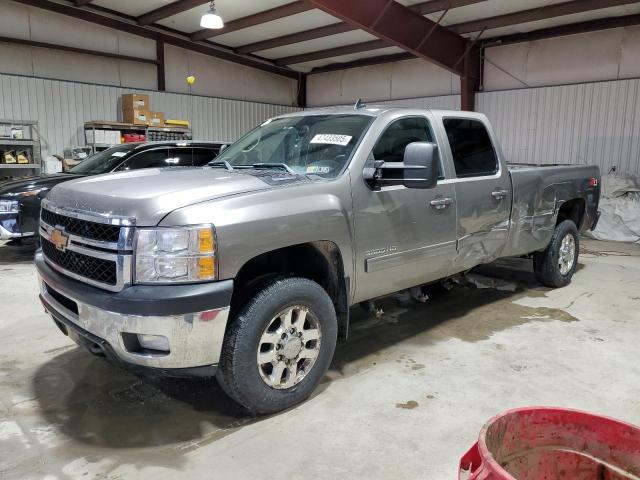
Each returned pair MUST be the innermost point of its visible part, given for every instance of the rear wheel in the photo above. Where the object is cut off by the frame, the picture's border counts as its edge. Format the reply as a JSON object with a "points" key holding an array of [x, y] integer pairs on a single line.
{"points": [[280, 345], [555, 266]]}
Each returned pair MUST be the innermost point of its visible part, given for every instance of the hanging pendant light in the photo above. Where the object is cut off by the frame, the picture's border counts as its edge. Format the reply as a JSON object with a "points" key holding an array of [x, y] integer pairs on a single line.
{"points": [[211, 19]]}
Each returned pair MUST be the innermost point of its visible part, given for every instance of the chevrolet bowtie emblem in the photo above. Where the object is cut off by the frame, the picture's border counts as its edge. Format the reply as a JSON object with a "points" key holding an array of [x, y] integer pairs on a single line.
{"points": [[59, 239]]}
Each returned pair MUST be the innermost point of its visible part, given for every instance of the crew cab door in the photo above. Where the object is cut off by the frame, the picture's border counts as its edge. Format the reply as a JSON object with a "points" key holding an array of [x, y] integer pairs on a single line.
{"points": [[482, 188], [403, 236]]}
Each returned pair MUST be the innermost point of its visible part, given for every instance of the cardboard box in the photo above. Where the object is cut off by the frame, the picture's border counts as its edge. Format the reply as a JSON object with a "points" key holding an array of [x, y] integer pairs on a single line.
{"points": [[135, 101], [69, 163], [136, 116], [156, 119]]}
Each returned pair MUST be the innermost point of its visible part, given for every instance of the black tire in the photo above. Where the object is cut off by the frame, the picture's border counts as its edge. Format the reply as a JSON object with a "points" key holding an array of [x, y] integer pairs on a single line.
{"points": [[238, 371], [546, 264]]}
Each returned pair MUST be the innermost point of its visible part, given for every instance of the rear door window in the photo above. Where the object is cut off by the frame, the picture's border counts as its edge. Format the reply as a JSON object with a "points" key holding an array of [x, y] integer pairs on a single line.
{"points": [[471, 147]]}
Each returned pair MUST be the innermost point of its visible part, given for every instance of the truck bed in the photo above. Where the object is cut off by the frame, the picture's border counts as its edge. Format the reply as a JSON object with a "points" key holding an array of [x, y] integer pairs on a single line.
{"points": [[538, 192]]}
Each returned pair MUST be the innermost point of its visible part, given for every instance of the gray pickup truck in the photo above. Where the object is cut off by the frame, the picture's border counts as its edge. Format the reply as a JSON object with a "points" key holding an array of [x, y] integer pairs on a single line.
{"points": [[246, 268]]}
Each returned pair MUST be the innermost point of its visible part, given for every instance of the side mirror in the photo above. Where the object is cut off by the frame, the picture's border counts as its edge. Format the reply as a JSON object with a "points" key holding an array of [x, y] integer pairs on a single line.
{"points": [[419, 168], [420, 165]]}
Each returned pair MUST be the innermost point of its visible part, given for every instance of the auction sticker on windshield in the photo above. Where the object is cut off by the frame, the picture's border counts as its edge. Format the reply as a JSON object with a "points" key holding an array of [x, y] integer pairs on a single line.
{"points": [[332, 139]]}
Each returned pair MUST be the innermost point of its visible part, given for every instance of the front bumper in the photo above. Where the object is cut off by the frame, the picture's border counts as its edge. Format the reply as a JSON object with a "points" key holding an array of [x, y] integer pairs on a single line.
{"points": [[10, 227], [193, 319]]}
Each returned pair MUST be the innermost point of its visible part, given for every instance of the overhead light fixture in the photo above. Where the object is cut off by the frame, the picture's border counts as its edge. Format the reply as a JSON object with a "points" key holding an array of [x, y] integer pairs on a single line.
{"points": [[211, 19]]}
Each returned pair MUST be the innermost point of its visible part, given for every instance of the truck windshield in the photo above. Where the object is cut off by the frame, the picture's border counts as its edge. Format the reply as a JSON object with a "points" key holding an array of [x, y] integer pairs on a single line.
{"points": [[103, 162], [313, 145]]}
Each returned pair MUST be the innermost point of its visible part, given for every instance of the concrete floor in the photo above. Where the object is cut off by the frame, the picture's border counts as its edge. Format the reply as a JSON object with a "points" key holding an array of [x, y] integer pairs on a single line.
{"points": [[405, 397]]}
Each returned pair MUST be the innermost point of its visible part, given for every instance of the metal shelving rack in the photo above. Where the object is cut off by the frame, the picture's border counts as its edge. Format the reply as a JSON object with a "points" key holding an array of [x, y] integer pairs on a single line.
{"points": [[185, 133], [32, 143]]}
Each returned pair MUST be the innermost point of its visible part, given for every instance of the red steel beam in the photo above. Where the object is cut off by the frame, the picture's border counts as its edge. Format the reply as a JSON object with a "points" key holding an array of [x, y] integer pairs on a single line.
{"points": [[536, 14], [396, 24], [122, 24], [545, 33], [64, 48], [550, 11], [363, 62], [333, 52], [169, 10], [255, 19], [563, 30], [422, 8]]}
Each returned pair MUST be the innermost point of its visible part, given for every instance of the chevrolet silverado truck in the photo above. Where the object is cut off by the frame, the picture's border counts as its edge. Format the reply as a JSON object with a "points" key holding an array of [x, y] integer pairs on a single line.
{"points": [[246, 268]]}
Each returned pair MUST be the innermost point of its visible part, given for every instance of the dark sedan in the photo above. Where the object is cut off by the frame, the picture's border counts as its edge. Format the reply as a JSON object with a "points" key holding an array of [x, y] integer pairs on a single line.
{"points": [[20, 198]]}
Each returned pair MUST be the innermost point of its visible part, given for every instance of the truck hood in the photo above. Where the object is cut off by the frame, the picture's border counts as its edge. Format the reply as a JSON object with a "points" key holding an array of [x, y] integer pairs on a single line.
{"points": [[149, 194]]}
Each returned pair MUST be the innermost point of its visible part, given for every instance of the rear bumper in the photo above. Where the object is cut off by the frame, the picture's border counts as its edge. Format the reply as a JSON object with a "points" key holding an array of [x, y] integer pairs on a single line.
{"points": [[192, 319]]}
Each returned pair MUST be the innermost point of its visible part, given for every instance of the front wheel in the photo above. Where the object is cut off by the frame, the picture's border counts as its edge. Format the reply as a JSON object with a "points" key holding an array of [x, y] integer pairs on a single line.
{"points": [[279, 346], [555, 266]]}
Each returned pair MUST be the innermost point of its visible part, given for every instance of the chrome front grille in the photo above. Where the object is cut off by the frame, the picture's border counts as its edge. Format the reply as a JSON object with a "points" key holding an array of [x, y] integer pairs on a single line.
{"points": [[93, 249], [96, 269], [82, 228]]}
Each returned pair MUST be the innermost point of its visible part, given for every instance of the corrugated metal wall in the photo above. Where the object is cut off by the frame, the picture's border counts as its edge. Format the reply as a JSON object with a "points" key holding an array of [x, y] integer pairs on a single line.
{"points": [[444, 102], [591, 123], [61, 108]]}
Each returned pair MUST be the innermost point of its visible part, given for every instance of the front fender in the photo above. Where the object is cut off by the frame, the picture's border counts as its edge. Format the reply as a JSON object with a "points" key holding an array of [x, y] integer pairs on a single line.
{"points": [[248, 225]]}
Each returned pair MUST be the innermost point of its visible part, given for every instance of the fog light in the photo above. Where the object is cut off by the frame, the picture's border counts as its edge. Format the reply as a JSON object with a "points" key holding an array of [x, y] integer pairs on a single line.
{"points": [[153, 342]]}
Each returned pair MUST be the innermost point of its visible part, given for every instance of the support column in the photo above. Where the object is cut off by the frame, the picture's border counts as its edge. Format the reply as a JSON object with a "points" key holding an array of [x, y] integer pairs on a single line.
{"points": [[470, 80], [160, 65], [301, 99]]}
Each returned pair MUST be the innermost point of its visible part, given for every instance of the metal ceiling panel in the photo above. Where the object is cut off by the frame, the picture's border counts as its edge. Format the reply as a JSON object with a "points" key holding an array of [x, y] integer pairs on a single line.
{"points": [[307, 66], [323, 43], [189, 21], [488, 8], [128, 7], [276, 28], [564, 20]]}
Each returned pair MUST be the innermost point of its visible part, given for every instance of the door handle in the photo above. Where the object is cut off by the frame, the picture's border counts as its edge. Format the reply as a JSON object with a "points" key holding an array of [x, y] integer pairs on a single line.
{"points": [[499, 194], [441, 203]]}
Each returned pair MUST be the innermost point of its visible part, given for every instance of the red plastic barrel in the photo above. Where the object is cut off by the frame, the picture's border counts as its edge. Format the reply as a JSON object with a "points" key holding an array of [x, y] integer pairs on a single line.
{"points": [[537, 443]]}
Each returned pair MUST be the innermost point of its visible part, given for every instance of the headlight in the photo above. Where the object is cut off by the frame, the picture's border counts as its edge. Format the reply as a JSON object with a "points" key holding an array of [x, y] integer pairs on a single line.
{"points": [[9, 206], [27, 193], [175, 255]]}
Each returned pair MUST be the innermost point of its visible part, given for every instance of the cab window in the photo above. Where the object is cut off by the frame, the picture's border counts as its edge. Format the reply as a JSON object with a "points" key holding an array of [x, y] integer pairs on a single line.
{"points": [[471, 147], [393, 142]]}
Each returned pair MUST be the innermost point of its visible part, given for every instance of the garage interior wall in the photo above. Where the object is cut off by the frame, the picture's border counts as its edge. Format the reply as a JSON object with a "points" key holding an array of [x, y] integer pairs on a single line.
{"points": [[215, 77], [586, 109], [62, 107], [550, 101], [379, 83]]}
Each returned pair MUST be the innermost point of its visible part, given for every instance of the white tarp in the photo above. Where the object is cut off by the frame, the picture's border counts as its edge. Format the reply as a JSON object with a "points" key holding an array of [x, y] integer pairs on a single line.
{"points": [[619, 209]]}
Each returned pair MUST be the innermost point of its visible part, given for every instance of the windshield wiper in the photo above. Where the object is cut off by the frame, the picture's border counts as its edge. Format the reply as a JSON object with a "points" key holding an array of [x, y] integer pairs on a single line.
{"points": [[266, 166], [221, 163]]}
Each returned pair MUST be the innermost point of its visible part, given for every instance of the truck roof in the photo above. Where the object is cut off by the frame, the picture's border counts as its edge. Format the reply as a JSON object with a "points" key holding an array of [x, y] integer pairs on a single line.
{"points": [[376, 111]]}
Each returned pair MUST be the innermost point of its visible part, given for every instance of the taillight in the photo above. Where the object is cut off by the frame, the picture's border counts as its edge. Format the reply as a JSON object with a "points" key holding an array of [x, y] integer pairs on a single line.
{"points": [[593, 182]]}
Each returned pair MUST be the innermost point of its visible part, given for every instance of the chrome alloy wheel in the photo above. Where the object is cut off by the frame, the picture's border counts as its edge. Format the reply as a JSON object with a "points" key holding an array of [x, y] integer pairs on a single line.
{"points": [[289, 347], [567, 254]]}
